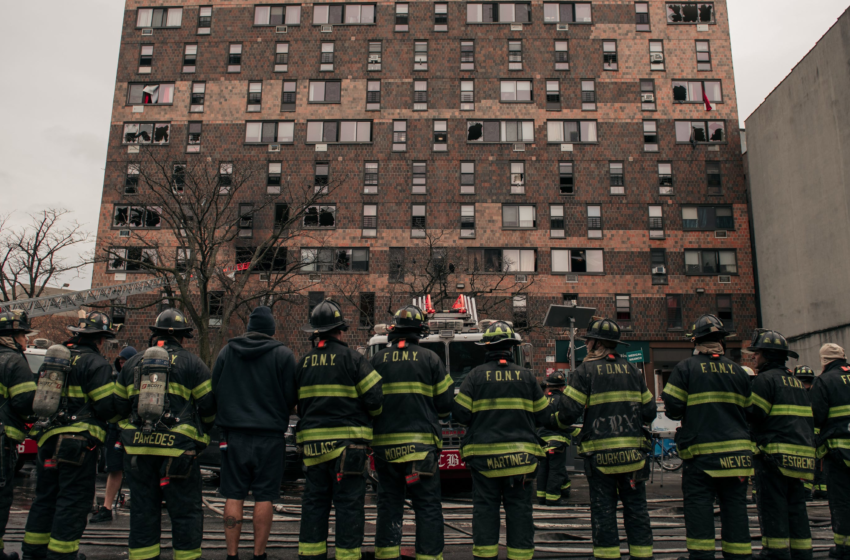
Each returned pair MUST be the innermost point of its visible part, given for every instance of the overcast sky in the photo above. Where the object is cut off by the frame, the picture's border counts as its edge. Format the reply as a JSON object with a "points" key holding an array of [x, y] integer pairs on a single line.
{"points": [[56, 104]]}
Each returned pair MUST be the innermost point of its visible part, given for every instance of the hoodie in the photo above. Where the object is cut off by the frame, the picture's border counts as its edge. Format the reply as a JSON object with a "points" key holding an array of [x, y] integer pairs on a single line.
{"points": [[254, 384]]}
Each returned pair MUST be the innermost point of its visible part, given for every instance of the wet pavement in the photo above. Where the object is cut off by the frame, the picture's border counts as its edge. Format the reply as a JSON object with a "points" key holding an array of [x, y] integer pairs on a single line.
{"points": [[562, 532]]}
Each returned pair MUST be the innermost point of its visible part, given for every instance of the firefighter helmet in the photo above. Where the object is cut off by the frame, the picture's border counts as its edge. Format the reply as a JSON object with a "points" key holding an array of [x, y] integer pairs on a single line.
{"points": [[601, 328], [410, 319], [499, 334], [749, 371], [326, 317], [173, 322], [95, 323], [764, 339], [13, 322], [804, 373], [707, 326], [557, 379]]}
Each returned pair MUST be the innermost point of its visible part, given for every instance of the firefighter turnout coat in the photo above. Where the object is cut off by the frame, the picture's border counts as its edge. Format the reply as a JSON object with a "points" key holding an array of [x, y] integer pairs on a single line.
{"points": [[17, 390], [554, 436], [830, 396]]}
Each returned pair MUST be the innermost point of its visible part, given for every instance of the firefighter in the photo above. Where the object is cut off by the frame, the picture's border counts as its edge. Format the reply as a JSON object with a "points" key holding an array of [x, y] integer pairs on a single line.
{"points": [[783, 431], [611, 396], [816, 489], [339, 392], [501, 404], [831, 407], [553, 481], [164, 395], [68, 441], [16, 396], [710, 394], [408, 436]]}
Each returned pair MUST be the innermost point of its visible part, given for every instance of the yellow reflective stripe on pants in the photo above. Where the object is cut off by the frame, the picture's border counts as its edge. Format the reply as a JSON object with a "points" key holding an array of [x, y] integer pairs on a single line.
{"points": [[428, 556], [36, 538], [312, 549], [773, 542], [144, 553], [552, 497], [638, 551], [566, 485], [541, 493], [701, 544], [347, 554], [488, 551], [606, 551], [737, 548], [65, 547], [387, 552], [839, 539], [520, 553], [801, 544], [187, 554]]}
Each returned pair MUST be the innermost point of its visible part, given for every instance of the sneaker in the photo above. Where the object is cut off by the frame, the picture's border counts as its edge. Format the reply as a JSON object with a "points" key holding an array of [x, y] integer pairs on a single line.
{"points": [[103, 515]]}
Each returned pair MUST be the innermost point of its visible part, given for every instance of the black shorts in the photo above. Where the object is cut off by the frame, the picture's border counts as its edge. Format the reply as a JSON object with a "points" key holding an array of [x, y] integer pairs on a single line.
{"points": [[252, 463], [114, 457]]}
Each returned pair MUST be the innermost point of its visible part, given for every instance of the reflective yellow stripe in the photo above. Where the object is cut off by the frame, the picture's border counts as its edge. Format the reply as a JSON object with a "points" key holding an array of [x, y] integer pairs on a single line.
{"points": [[365, 384], [444, 385], [606, 551], [762, 403], [566, 485], [487, 551], [191, 431], [121, 391], [96, 431], [64, 547], [74, 391], [411, 387], [561, 425], [701, 544], [614, 396], [312, 549], [839, 539], [837, 411], [680, 394], [611, 443], [312, 391], [790, 449], [158, 451], [638, 551], [801, 544], [406, 437], [132, 391], [551, 497], [4, 392], [144, 553], [646, 397], [428, 556], [36, 538], [346, 553], [540, 404], [520, 553], [197, 393], [718, 397], [102, 392], [576, 395], [630, 467], [501, 448], [464, 400], [768, 542], [502, 404], [791, 410], [179, 390], [376, 412], [343, 432], [25, 387], [187, 554], [730, 472], [15, 433], [310, 461], [717, 447], [386, 552], [500, 473], [208, 419], [736, 548]]}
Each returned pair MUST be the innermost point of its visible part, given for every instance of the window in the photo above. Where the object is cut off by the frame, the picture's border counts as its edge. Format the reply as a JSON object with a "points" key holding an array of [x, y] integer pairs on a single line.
{"points": [[277, 15], [370, 177], [269, 132], [553, 95], [566, 183], [417, 220], [588, 95], [609, 55], [324, 92], [273, 260], [178, 178], [562, 55], [399, 136], [467, 220], [503, 260], [321, 177], [617, 177], [420, 95], [281, 215], [320, 217], [204, 20], [517, 177], [516, 91], [573, 12], [194, 140], [711, 132], [373, 95], [367, 309], [164, 303], [273, 179], [402, 17], [724, 310], [441, 17], [594, 222], [281, 57], [707, 218], [647, 95], [650, 136], [183, 260], [136, 217], [420, 173], [326, 60], [196, 101], [502, 12], [373, 60], [656, 222], [339, 131], [570, 300], [712, 174], [520, 311], [690, 12], [159, 17], [467, 95], [289, 96], [703, 56], [519, 217], [355, 14], [674, 312], [420, 55], [514, 55], [692, 92], [131, 259], [335, 260], [131, 180], [314, 299], [190, 58], [246, 220], [441, 136], [577, 260], [711, 262], [255, 97], [146, 59], [623, 305], [665, 178], [571, 131], [225, 178], [396, 264], [641, 16], [234, 58], [370, 220], [500, 131], [467, 177], [147, 133], [557, 226], [150, 94], [656, 56], [467, 55], [658, 266]]}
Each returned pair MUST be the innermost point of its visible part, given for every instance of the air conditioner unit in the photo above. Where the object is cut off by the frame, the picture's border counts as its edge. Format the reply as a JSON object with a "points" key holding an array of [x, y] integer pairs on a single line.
{"points": [[721, 234], [327, 28], [124, 233], [566, 147], [519, 147], [281, 29], [265, 277], [659, 269], [516, 27], [522, 278], [374, 59], [563, 27], [656, 57], [647, 98], [274, 147], [315, 277], [702, 27], [147, 32], [572, 278], [724, 279]]}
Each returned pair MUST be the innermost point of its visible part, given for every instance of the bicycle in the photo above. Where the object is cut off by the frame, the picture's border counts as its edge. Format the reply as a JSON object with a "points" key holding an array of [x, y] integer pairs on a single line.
{"points": [[668, 458]]}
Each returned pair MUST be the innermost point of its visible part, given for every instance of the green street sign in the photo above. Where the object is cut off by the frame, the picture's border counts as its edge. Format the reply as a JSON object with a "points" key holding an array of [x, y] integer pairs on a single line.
{"points": [[635, 356]]}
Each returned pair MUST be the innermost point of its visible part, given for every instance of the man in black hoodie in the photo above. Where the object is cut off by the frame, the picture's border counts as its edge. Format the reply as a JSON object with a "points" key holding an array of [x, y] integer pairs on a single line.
{"points": [[254, 384]]}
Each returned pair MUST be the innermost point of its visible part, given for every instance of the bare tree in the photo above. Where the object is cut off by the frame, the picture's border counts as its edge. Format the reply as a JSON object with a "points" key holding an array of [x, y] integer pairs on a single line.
{"points": [[36, 255], [223, 247]]}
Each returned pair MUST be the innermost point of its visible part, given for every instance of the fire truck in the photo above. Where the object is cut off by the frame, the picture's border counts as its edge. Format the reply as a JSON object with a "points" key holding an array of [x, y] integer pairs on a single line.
{"points": [[453, 336]]}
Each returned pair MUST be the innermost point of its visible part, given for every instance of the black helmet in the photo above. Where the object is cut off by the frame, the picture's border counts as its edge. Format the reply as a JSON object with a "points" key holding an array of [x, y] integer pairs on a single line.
{"points": [[408, 319], [764, 339], [499, 334], [804, 372], [95, 323], [172, 321], [326, 316], [12, 322], [600, 328], [557, 379], [708, 326]]}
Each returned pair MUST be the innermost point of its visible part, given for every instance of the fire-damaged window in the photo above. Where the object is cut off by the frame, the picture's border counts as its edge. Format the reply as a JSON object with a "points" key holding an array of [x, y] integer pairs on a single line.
{"points": [[147, 133], [131, 182], [500, 131], [697, 91], [137, 217], [690, 12], [215, 302], [367, 309], [700, 132], [130, 259], [320, 216], [150, 94], [335, 260], [273, 260]]}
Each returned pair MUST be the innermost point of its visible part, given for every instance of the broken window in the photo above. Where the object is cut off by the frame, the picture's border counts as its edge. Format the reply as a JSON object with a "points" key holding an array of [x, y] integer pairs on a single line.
{"points": [[692, 91], [690, 12], [134, 259], [503, 12], [246, 220], [321, 178], [178, 177], [335, 260], [500, 131], [117, 259], [147, 133], [137, 217], [131, 182], [700, 132], [159, 17], [713, 177], [577, 260], [320, 217], [277, 15], [150, 94], [571, 131], [567, 12], [281, 215], [520, 311], [277, 132]]}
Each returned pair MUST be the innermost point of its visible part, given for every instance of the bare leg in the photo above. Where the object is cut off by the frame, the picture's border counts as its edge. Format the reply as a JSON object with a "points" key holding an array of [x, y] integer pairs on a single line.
{"points": [[233, 525], [113, 485], [263, 513]]}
